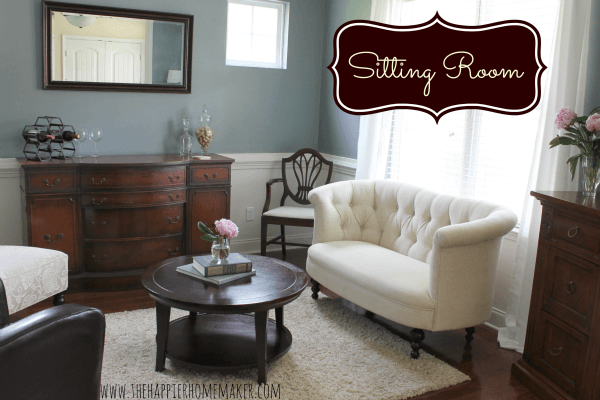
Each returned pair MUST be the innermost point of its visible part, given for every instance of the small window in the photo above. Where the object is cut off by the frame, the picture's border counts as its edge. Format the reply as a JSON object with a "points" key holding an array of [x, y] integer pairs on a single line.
{"points": [[257, 33]]}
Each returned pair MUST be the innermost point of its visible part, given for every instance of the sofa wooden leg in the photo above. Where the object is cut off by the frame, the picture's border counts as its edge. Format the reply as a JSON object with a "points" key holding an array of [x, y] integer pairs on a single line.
{"points": [[59, 299], [469, 336], [416, 336], [315, 288]]}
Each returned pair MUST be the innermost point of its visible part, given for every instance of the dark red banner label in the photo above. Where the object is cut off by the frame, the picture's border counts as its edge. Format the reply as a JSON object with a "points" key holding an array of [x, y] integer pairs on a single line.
{"points": [[437, 67]]}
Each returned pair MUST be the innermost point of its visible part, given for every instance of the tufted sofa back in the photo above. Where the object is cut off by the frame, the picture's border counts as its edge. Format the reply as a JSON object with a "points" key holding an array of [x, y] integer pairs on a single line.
{"points": [[395, 215]]}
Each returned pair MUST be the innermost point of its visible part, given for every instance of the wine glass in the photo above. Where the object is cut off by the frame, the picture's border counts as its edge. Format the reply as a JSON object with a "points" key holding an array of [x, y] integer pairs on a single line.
{"points": [[96, 136], [83, 135]]}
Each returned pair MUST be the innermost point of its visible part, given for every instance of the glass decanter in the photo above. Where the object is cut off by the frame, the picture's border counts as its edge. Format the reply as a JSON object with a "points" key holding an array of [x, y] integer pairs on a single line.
{"points": [[186, 139]]}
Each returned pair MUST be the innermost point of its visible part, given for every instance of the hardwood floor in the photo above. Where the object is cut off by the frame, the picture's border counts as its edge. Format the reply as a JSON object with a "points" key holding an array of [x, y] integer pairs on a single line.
{"points": [[485, 362]]}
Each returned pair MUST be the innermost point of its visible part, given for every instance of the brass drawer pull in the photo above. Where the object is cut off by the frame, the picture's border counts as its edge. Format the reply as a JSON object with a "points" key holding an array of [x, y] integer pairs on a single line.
{"points": [[99, 183], [172, 253], [100, 259], [176, 197], [101, 201], [178, 177], [171, 221], [555, 351], [209, 178], [58, 237], [570, 287], [56, 182], [574, 233]]}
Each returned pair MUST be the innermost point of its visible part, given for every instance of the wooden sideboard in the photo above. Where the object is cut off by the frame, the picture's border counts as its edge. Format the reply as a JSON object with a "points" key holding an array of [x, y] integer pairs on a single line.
{"points": [[561, 359], [116, 215]]}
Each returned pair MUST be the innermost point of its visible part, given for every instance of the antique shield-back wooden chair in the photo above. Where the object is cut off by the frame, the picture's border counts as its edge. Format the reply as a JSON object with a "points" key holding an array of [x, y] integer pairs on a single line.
{"points": [[307, 165]]}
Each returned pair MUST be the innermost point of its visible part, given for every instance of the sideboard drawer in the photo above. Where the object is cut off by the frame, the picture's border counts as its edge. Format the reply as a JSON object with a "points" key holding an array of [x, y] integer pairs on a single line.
{"points": [[132, 178], [577, 232], [130, 254], [51, 181], [106, 223], [133, 198], [560, 351], [570, 288], [209, 175]]}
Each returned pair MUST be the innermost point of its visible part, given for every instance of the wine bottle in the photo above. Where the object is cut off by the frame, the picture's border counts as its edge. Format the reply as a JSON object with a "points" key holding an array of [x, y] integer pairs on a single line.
{"points": [[35, 135], [68, 136]]}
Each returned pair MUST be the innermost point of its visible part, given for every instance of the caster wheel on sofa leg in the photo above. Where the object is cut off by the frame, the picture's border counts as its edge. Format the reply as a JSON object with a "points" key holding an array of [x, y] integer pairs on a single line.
{"points": [[416, 336], [315, 289], [469, 335]]}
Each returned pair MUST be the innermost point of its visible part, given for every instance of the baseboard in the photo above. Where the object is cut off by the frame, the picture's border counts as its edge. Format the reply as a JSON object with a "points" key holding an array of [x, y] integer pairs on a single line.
{"points": [[253, 245], [496, 321]]}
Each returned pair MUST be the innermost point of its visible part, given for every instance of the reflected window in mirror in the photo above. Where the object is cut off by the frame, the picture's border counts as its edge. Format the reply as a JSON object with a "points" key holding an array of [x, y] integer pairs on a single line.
{"points": [[257, 32]]}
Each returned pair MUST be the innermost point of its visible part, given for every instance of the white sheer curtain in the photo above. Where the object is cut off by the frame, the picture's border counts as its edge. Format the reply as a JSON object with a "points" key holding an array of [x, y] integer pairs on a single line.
{"points": [[549, 170]]}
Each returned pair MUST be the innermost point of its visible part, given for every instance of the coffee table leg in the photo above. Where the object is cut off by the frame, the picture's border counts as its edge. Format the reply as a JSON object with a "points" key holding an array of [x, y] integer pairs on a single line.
{"points": [[279, 318], [163, 314], [260, 321]]}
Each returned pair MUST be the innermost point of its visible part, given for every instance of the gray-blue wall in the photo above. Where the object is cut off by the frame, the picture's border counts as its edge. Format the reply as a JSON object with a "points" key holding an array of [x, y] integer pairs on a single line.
{"points": [[167, 49], [338, 131], [253, 109]]}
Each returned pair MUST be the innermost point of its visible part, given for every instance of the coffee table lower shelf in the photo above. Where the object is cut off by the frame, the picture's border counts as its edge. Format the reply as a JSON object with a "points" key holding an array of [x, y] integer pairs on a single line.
{"points": [[222, 341]]}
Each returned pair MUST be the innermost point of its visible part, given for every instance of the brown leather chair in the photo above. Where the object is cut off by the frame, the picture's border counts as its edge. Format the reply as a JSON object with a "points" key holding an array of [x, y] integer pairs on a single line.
{"points": [[307, 165], [53, 354]]}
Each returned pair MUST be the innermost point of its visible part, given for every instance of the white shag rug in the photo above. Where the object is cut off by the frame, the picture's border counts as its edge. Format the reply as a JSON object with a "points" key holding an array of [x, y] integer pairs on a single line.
{"points": [[335, 354]]}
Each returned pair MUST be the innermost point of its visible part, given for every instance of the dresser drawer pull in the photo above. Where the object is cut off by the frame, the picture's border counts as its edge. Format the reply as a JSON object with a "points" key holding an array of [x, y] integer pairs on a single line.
{"points": [[172, 253], [574, 233], [178, 177], [101, 201], [570, 287], [98, 183], [100, 259], [56, 182], [58, 237], [555, 351], [173, 222], [176, 197], [209, 178]]}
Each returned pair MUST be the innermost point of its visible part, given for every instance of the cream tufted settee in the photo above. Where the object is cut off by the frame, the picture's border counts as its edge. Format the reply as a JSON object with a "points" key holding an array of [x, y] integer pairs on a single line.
{"points": [[414, 256]]}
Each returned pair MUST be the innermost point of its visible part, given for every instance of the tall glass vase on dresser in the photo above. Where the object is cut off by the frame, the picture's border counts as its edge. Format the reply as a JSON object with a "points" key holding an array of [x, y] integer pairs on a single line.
{"points": [[561, 359]]}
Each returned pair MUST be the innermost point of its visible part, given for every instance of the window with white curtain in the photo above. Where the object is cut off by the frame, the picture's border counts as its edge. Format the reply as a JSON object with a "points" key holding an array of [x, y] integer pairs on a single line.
{"points": [[471, 152], [257, 33]]}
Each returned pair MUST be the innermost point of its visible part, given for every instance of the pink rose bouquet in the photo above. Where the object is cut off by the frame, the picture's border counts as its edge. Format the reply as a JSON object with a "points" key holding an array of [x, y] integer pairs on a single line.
{"points": [[583, 132], [224, 229]]}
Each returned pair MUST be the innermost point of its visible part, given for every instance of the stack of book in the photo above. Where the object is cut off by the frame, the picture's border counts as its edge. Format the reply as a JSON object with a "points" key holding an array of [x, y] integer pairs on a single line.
{"points": [[207, 269]]}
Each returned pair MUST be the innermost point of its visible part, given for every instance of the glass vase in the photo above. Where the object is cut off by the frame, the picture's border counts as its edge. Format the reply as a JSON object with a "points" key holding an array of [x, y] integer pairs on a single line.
{"points": [[185, 142], [590, 168], [220, 249]]}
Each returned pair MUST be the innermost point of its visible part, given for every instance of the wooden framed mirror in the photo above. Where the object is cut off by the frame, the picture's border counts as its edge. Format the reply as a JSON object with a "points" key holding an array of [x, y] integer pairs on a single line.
{"points": [[116, 49]]}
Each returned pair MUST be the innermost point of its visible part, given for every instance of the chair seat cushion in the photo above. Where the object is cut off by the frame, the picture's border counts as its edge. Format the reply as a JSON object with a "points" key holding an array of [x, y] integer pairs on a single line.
{"points": [[31, 274], [292, 212], [383, 281]]}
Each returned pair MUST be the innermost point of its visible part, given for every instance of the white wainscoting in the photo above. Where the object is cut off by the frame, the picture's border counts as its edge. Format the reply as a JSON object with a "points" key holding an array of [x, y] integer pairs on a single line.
{"points": [[250, 172]]}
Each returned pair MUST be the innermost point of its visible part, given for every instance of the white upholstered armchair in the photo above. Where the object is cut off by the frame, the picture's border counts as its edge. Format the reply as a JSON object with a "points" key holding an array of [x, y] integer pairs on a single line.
{"points": [[414, 256]]}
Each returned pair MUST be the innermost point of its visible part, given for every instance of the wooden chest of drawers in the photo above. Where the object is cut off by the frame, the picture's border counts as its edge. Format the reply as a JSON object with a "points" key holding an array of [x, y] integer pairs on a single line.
{"points": [[561, 359], [116, 215]]}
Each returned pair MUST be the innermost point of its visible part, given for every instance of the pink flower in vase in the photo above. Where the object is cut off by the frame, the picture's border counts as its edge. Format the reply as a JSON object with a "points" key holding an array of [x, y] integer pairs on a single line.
{"points": [[226, 228], [593, 123], [564, 118]]}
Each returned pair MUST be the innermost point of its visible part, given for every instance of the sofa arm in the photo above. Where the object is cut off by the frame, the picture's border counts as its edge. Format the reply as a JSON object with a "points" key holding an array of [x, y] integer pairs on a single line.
{"points": [[55, 353], [497, 224], [328, 221]]}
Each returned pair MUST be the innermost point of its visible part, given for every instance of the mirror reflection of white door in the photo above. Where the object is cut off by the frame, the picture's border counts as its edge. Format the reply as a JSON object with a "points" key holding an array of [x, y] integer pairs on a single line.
{"points": [[92, 59], [123, 63], [83, 60]]}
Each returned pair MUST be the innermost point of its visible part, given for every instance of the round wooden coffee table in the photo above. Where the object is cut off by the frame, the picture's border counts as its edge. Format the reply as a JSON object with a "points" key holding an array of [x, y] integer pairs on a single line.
{"points": [[218, 334]]}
